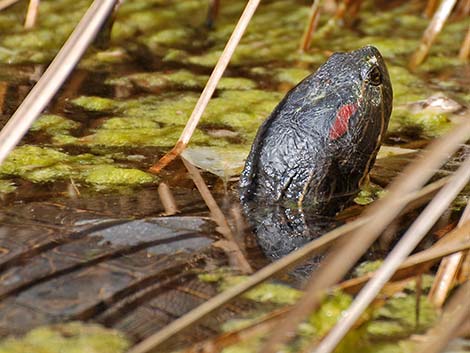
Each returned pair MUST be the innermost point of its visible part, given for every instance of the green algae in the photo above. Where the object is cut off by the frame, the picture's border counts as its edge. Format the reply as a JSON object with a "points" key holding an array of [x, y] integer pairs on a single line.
{"points": [[407, 87], [397, 317], [170, 37], [328, 314], [41, 165], [385, 330], [275, 293], [368, 194], [180, 79], [111, 175], [129, 123], [367, 267], [54, 124], [74, 337], [426, 123], [160, 137], [25, 159], [40, 44], [95, 104], [291, 75], [158, 121], [379, 326], [6, 186]]}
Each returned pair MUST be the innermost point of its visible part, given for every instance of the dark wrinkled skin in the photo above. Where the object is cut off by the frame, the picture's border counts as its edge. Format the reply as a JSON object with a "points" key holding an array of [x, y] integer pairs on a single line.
{"points": [[304, 166]]}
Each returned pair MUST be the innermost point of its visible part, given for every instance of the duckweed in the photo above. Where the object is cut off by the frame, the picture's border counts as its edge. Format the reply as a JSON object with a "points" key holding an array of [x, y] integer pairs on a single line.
{"points": [[6, 186], [95, 104], [276, 293], [397, 317], [427, 123], [54, 124], [72, 337], [27, 158], [180, 79], [42, 164], [368, 194], [291, 75], [111, 175], [367, 267]]}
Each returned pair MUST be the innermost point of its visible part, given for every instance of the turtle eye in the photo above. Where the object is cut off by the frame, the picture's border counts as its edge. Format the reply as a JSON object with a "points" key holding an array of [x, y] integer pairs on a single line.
{"points": [[374, 76]]}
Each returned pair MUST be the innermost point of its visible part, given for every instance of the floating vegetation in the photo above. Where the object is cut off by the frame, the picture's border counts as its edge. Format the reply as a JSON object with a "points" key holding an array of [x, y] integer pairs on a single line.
{"points": [[74, 337], [368, 194], [6, 186], [54, 124], [42, 164], [394, 319], [180, 79]]}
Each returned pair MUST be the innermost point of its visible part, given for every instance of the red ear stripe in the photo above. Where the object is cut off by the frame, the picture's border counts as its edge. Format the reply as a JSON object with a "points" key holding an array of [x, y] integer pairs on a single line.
{"points": [[340, 124]]}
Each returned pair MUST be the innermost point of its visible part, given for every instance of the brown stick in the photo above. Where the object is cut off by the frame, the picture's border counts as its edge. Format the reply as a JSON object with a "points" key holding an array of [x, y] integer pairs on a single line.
{"points": [[311, 25], [338, 262], [430, 8], [235, 253], [7, 3], [464, 53], [397, 256], [447, 271], [209, 89], [32, 14], [463, 8], [455, 314], [3, 92], [57, 72], [434, 28], [167, 199], [151, 344], [212, 12], [450, 244]]}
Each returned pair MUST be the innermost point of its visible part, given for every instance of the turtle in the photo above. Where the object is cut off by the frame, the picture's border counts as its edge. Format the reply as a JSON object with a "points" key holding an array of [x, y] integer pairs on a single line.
{"points": [[312, 154]]}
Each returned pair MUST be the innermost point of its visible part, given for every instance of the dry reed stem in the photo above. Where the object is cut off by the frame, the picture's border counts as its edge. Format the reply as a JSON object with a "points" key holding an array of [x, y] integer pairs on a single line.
{"points": [[167, 199], [429, 35], [464, 53], [31, 14], [209, 88], [7, 3], [3, 92], [74, 84], [260, 327], [447, 271], [151, 343], [311, 25], [397, 256], [265, 323], [54, 77], [430, 8], [384, 211], [234, 254], [212, 12], [463, 8], [460, 241], [455, 314]]}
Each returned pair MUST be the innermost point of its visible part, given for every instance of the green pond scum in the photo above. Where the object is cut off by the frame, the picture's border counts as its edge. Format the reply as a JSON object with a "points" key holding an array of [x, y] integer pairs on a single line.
{"points": [[73, 337], [43, 164], [154, 103], [385, 327]]}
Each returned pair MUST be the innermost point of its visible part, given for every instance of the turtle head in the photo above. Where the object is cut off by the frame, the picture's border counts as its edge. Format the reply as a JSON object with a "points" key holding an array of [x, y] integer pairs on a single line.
{"points": [[360, 83]]}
